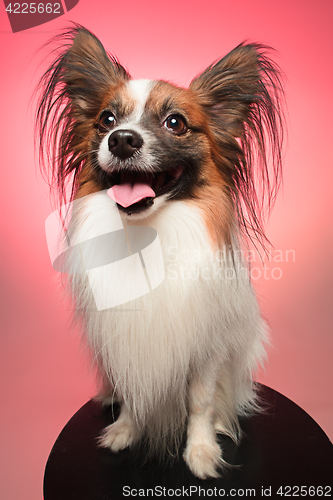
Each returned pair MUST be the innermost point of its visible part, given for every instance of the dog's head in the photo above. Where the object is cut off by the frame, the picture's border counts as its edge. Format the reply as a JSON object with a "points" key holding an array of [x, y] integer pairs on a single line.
{"points": [[151, 142]]}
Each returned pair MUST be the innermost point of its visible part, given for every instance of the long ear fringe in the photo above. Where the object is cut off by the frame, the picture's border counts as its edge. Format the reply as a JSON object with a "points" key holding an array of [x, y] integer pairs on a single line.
{"points": [[250, 151], [61, 130], [262, 144]]}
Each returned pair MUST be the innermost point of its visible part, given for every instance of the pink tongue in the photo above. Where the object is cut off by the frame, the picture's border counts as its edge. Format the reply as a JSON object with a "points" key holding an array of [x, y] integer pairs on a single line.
{"points": [[128, 192]]}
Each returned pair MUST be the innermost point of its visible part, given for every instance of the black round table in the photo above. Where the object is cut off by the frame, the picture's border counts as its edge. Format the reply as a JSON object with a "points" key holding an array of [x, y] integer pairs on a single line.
{"points": [[283, 453]]}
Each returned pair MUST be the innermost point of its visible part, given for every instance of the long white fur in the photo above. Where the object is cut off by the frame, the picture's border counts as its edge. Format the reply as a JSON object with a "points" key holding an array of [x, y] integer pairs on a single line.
{"points": [[184, 352]]}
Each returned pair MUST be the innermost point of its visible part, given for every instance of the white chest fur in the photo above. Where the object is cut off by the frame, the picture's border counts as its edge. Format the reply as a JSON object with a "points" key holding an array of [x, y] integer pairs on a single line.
{"points": [[203, 306]]}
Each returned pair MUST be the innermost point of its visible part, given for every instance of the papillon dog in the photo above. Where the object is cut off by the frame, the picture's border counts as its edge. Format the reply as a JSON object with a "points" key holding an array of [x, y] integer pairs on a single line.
{"points": [[200, 166]]}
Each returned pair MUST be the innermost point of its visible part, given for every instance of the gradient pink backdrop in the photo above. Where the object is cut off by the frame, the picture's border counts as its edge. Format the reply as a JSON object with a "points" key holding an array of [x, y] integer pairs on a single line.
{"points": [[44, 375]]}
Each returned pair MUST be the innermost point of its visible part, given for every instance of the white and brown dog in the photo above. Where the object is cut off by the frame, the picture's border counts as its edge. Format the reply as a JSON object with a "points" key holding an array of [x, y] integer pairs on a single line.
{"points": [[192, 164]]}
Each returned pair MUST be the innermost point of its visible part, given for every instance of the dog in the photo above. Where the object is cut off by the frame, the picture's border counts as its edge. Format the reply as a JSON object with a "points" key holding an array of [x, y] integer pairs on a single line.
{"points": [[192, 164]]}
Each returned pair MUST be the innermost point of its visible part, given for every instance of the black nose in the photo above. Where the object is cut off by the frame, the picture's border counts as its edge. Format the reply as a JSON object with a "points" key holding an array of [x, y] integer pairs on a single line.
{"points": [[124, 143]]}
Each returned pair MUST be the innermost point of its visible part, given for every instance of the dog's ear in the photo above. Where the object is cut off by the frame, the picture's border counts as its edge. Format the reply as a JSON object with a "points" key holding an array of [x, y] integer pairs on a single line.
{"points": [[232, 88], [82, 72], [241, 95]]}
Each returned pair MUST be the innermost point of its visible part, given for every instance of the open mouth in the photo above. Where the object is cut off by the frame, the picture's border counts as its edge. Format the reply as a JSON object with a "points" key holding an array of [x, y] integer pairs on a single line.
{"points": [[135, 191]]}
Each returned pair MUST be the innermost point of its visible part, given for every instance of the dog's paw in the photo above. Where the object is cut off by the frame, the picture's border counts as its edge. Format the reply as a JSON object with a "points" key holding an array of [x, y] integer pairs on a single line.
{"points": [[203, 459], [118, 436]]}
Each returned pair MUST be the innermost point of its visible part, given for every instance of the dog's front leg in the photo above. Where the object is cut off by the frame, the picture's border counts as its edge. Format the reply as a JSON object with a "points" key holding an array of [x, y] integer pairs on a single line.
{"points": [[122, 433], [202, 453]]}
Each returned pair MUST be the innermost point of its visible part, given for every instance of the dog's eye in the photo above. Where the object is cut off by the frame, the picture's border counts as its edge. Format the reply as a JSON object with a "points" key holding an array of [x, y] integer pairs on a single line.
{"points": [[176, 124], [107, 121]]}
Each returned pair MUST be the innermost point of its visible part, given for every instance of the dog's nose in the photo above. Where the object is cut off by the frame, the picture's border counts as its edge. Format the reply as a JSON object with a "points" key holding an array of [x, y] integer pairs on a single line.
{"points": [[124, 143]]}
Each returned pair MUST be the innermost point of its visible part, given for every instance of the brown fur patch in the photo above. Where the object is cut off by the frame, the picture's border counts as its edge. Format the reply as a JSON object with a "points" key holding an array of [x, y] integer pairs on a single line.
{"points": [[215, 203], [166, 98], [120, 101]]}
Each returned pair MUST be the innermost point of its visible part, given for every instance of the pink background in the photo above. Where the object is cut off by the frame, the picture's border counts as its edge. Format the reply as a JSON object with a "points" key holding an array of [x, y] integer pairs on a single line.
{"points": [[44, 375]]}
